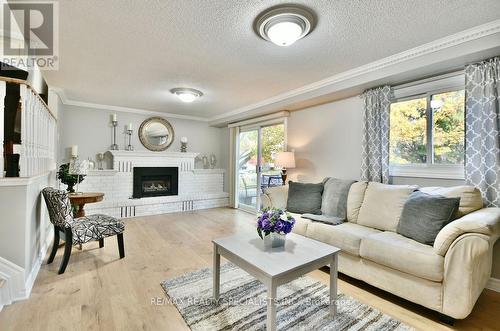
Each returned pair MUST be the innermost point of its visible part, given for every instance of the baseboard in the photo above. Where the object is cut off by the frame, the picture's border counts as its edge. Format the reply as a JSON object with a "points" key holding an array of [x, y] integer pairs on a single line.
{"points": [[493, 284], [4, 295], [30, 280], [19, 287], [14, 288]]}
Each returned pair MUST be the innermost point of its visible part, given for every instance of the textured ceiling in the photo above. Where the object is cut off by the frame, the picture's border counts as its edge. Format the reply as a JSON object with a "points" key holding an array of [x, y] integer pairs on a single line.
{"points": [[131, 52]]}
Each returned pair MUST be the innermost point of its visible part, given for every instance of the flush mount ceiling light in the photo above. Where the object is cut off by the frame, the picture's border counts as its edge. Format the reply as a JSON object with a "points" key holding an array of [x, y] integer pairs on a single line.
{"points": [[284, 25], [186, 94]]}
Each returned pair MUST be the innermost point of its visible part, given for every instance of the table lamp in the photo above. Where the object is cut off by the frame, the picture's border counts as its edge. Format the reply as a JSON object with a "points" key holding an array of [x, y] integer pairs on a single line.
{"points": [[284, 160], [80, 168]]}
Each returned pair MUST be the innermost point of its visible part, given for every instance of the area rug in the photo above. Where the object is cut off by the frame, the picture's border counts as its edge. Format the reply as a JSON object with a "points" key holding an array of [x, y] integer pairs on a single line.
{"points": [[302, 304]]}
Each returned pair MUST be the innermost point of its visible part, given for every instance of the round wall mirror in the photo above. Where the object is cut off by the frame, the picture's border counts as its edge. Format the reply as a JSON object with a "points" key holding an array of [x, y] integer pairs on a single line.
{"points": [[156, 134]]}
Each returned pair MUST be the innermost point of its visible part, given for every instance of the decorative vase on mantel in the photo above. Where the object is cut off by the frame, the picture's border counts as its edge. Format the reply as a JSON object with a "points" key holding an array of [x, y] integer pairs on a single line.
{"points": [[273, 225]]}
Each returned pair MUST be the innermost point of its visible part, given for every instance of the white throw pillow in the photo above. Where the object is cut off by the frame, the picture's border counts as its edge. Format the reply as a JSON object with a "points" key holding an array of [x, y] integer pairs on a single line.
{"points": [[383, 204], [470, 197], [355, 200], [278, 196]]}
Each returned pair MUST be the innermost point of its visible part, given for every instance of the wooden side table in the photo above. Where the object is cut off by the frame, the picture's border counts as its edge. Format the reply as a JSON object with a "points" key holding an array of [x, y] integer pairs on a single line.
{"points": [[80, 199]]}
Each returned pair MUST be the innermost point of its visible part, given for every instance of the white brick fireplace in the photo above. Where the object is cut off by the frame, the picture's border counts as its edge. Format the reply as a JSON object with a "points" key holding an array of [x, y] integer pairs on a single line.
{"points": [[198, 188]]}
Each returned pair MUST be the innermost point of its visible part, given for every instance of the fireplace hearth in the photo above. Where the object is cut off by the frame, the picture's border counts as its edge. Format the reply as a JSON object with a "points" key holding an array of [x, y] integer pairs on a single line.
{"points": [[155, 181]]}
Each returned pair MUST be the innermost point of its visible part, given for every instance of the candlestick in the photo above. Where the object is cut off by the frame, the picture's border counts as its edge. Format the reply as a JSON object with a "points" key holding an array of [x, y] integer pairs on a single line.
{"points": [[129, 133], [114, 145], [100, 158], [74, 151], [184, 145]]}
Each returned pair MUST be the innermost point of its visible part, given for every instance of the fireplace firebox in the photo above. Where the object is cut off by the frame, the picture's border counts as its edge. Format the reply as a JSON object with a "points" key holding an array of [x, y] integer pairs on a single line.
{"points": [[155, 181]]}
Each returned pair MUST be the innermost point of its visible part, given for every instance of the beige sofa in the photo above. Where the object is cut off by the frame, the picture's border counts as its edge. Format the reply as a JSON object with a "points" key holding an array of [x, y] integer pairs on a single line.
{"points": [[447, 277]]}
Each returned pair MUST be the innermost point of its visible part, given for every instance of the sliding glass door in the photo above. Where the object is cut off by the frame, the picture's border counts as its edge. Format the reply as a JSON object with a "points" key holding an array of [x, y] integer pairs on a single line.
{"points": [[248, 164], [257, 148]]}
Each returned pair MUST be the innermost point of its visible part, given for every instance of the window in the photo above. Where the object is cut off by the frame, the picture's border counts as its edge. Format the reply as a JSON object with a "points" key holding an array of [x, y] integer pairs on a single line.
{"points": [[408, 136], [448, 125], [427, 134]]}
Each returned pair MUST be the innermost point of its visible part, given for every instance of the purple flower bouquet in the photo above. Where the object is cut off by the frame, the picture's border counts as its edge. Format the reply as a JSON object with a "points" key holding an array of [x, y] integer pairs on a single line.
{"points": [[274, 221]]}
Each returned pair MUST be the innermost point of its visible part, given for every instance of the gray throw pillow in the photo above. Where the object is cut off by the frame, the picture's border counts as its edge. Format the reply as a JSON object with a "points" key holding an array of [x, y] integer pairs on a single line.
{"points": [[334, 200], [424, 215], [332, 220], [304, 198]]}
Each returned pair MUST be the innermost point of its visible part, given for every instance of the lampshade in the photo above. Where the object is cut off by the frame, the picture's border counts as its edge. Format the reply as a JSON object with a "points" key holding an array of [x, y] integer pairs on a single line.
{"points": [[78, 167], [285, 160]]}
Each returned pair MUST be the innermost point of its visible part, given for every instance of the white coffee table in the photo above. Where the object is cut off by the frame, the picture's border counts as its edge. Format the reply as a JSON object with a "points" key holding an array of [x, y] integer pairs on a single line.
{"points": [[276, 266]]}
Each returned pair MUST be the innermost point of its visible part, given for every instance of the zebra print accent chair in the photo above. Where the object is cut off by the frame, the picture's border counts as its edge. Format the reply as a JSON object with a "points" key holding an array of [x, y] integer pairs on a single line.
{"points": [[80, 230]]}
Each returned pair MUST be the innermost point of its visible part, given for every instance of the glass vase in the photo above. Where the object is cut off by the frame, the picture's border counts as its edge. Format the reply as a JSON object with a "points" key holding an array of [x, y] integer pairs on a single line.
{"points": [[274, 240]]}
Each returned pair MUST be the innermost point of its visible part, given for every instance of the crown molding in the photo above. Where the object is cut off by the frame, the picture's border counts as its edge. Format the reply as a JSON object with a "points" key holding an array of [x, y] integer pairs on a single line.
{"points": [[414, 53], [90, 105]]}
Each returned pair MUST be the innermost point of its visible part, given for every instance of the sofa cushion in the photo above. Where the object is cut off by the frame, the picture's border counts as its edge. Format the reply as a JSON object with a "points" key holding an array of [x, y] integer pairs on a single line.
{"points": [[424, 215], [346, 236], [470, 197], [355, 200], [277, 195], [383, 204], [304, 198], [301, 224], [404, 254], [484, 221], [332, 220], [334, 199]]}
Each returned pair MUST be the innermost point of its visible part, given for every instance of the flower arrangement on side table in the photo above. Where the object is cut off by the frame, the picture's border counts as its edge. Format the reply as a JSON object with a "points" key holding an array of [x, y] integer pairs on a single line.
{"points": [[274, 223], [66, 178]]}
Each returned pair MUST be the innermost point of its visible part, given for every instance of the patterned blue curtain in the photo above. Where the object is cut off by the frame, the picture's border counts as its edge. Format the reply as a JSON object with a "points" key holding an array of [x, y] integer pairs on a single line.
{"points": [[375, 145], [482, 123]]}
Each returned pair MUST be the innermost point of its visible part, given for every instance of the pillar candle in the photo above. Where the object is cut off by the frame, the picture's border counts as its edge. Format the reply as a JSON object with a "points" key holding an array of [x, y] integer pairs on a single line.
{"points": [[74, 150], [114, 118]]}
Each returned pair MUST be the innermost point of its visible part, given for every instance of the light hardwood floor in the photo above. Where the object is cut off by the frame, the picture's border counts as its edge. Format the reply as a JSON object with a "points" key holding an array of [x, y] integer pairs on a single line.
{"points": [[101, 292]]}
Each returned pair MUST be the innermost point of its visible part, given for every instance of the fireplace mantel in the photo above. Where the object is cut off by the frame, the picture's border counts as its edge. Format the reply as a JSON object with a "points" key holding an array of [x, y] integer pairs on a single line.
{"points": [[124, 161], [141, 154], [197, 188]]}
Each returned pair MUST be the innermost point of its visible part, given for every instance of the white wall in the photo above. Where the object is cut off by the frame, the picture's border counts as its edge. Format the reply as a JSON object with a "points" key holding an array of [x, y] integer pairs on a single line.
{"points": [[25, 229], [91, 130], [224, 157], [327, 142], [12, 228]]}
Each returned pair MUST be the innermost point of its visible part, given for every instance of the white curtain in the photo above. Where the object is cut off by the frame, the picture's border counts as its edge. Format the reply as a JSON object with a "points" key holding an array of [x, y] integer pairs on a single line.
{"points": [[482, 124], [375, 145]]}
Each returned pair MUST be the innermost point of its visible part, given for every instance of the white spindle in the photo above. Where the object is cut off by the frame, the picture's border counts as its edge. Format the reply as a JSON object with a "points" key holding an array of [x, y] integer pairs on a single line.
{"points": [[23, 164], [3, 87], [31, 135], [38, 134]]}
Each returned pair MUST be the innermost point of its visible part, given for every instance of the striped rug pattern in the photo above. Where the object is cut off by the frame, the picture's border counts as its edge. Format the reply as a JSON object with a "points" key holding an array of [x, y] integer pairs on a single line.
{"points": [[302, 304]]}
